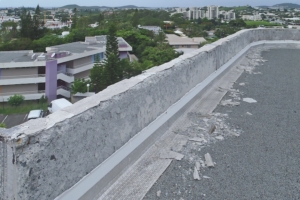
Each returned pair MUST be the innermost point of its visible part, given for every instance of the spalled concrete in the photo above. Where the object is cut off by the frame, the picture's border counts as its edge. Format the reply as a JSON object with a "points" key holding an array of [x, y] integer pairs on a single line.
{"points": [[44, 157]]}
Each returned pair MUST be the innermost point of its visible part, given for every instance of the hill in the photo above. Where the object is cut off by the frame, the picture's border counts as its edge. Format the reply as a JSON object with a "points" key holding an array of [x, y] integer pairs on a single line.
{"points": [[72, 6], [287, 5]]}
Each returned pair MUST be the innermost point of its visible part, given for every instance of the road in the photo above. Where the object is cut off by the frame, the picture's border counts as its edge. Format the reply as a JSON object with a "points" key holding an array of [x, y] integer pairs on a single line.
{"points": [[264, 161], [12, 120]]}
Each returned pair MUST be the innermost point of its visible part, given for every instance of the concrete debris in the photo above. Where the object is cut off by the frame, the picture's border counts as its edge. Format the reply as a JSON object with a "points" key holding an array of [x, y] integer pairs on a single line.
{"points": [[196, 139], [158, 193], [229, 102], [242, 84], [222, 89], [249, 113], [196, 174], [220, 137], [212, 129], [235, 134], [206, 177], [249, 100], [171, 155], [197, 165], [208, 160]]}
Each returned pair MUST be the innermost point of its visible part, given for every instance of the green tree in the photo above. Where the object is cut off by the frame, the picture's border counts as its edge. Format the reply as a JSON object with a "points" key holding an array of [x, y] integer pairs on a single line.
{"points": [[16, 100], [80, 85], [26, 24], [112, 61], [43, 100], [74, 18], [98, 75], [135, 18], [36, 29]]}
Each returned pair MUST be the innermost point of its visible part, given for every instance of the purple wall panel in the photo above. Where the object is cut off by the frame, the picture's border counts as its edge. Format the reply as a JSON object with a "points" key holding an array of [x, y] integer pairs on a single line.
{"points": [[123, 54], [51, 79]]}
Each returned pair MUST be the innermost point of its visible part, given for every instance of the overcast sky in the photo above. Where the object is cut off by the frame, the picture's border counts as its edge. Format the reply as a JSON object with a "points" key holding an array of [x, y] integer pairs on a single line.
{"points": [[151, 3]]}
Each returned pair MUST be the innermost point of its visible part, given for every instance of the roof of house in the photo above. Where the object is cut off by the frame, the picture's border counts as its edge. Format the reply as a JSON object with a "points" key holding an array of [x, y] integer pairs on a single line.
{"points": [[18, 56], [176, 40]]}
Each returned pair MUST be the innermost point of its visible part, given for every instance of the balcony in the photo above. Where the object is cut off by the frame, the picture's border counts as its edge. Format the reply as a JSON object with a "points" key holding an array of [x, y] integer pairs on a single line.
{"points": [[33, 79], [66, 77], [23, 79], [64, 91]]}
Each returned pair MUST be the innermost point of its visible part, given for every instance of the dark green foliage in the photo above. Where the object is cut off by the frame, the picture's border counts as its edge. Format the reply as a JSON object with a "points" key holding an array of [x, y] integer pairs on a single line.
{"points": [[43, 100], [112, 61], [237, 23], [135, 18], [80, 85], [98, 76], [16, 100], [74, 18], [2, 125]]}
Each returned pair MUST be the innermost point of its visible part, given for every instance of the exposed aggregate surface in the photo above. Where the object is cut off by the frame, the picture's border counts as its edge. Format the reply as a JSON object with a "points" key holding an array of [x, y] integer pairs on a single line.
{"points": [[262, 160]]}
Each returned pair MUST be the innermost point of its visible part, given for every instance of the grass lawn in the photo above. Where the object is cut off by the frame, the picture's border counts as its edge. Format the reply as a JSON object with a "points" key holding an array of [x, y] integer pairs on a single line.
{"points": [[26, 107], [257, 23]]}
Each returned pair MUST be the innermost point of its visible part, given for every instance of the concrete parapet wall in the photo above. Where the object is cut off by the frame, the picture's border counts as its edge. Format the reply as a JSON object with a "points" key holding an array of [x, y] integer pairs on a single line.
{"points": [[48, 156]]}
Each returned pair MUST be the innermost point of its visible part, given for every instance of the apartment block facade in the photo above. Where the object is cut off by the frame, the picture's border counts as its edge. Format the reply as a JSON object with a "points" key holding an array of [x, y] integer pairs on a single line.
{"points": [[52, 73], [211, 12]]}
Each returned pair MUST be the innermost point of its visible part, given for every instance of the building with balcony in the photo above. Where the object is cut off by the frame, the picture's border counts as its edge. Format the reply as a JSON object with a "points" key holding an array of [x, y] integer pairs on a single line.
{"points": [[52, 73]]}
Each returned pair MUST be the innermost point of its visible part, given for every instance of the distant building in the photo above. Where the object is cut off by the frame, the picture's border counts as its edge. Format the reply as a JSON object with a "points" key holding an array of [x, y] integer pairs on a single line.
{"points": [[228, 16], [184, 42], [252, 17], [211, 13], [154, 29], [34, 74]]}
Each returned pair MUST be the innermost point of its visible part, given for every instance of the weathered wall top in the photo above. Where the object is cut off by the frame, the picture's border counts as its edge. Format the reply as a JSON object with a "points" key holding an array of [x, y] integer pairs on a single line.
{"points": [[44, 157]]}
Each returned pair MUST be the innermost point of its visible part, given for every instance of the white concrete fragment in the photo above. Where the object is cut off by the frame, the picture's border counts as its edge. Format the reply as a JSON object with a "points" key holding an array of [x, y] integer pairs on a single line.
{"points": [[235, 134], [206, 177], [242, 84], [158, 193], [229, 102], [249, 100], [197, 165], [249, 113], [220, 137], [197, 139], [171, 155], [208, 160], [196, 174]]}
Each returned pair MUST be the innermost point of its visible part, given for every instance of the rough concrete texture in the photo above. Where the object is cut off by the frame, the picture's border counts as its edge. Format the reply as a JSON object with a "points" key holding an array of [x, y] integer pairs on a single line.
{"points": [[263, 161], [2, 160], [53, 153]]}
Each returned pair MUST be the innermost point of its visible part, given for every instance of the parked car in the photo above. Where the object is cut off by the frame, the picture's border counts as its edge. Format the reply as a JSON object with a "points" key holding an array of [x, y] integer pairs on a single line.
{"points": [[34, 114]]}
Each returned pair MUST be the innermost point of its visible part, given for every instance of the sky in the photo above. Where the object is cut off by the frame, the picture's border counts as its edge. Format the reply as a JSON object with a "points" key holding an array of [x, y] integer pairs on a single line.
{"points": [[151, 3]]}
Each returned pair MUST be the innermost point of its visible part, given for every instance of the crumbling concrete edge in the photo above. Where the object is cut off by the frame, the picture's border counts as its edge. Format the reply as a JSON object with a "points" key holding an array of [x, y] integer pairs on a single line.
{"points": [[102, 176]]}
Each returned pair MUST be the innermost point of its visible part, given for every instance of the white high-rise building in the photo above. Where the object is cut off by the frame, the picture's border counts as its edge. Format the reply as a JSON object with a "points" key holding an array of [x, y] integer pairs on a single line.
{"points": [[213, 12]]}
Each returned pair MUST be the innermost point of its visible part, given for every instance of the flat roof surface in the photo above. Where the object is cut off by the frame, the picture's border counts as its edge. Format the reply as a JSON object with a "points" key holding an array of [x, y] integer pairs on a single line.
{"points": [[78, 47], [263, 161], [17, 56], [176, 40]]}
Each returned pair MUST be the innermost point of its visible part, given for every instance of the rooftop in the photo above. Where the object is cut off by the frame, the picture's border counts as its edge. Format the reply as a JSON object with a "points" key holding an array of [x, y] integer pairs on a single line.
{"points": [[76, 47], [176, 40], [18, 56]]}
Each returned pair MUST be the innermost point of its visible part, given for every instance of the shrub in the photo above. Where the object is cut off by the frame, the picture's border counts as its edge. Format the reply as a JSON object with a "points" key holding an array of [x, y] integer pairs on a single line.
{"points": [[16, 100], [2, 125], [43, 99]]}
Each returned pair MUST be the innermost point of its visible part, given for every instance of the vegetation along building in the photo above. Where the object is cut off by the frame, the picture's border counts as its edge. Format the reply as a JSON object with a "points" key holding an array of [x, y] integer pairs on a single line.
{"points": [[33, 74]]}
